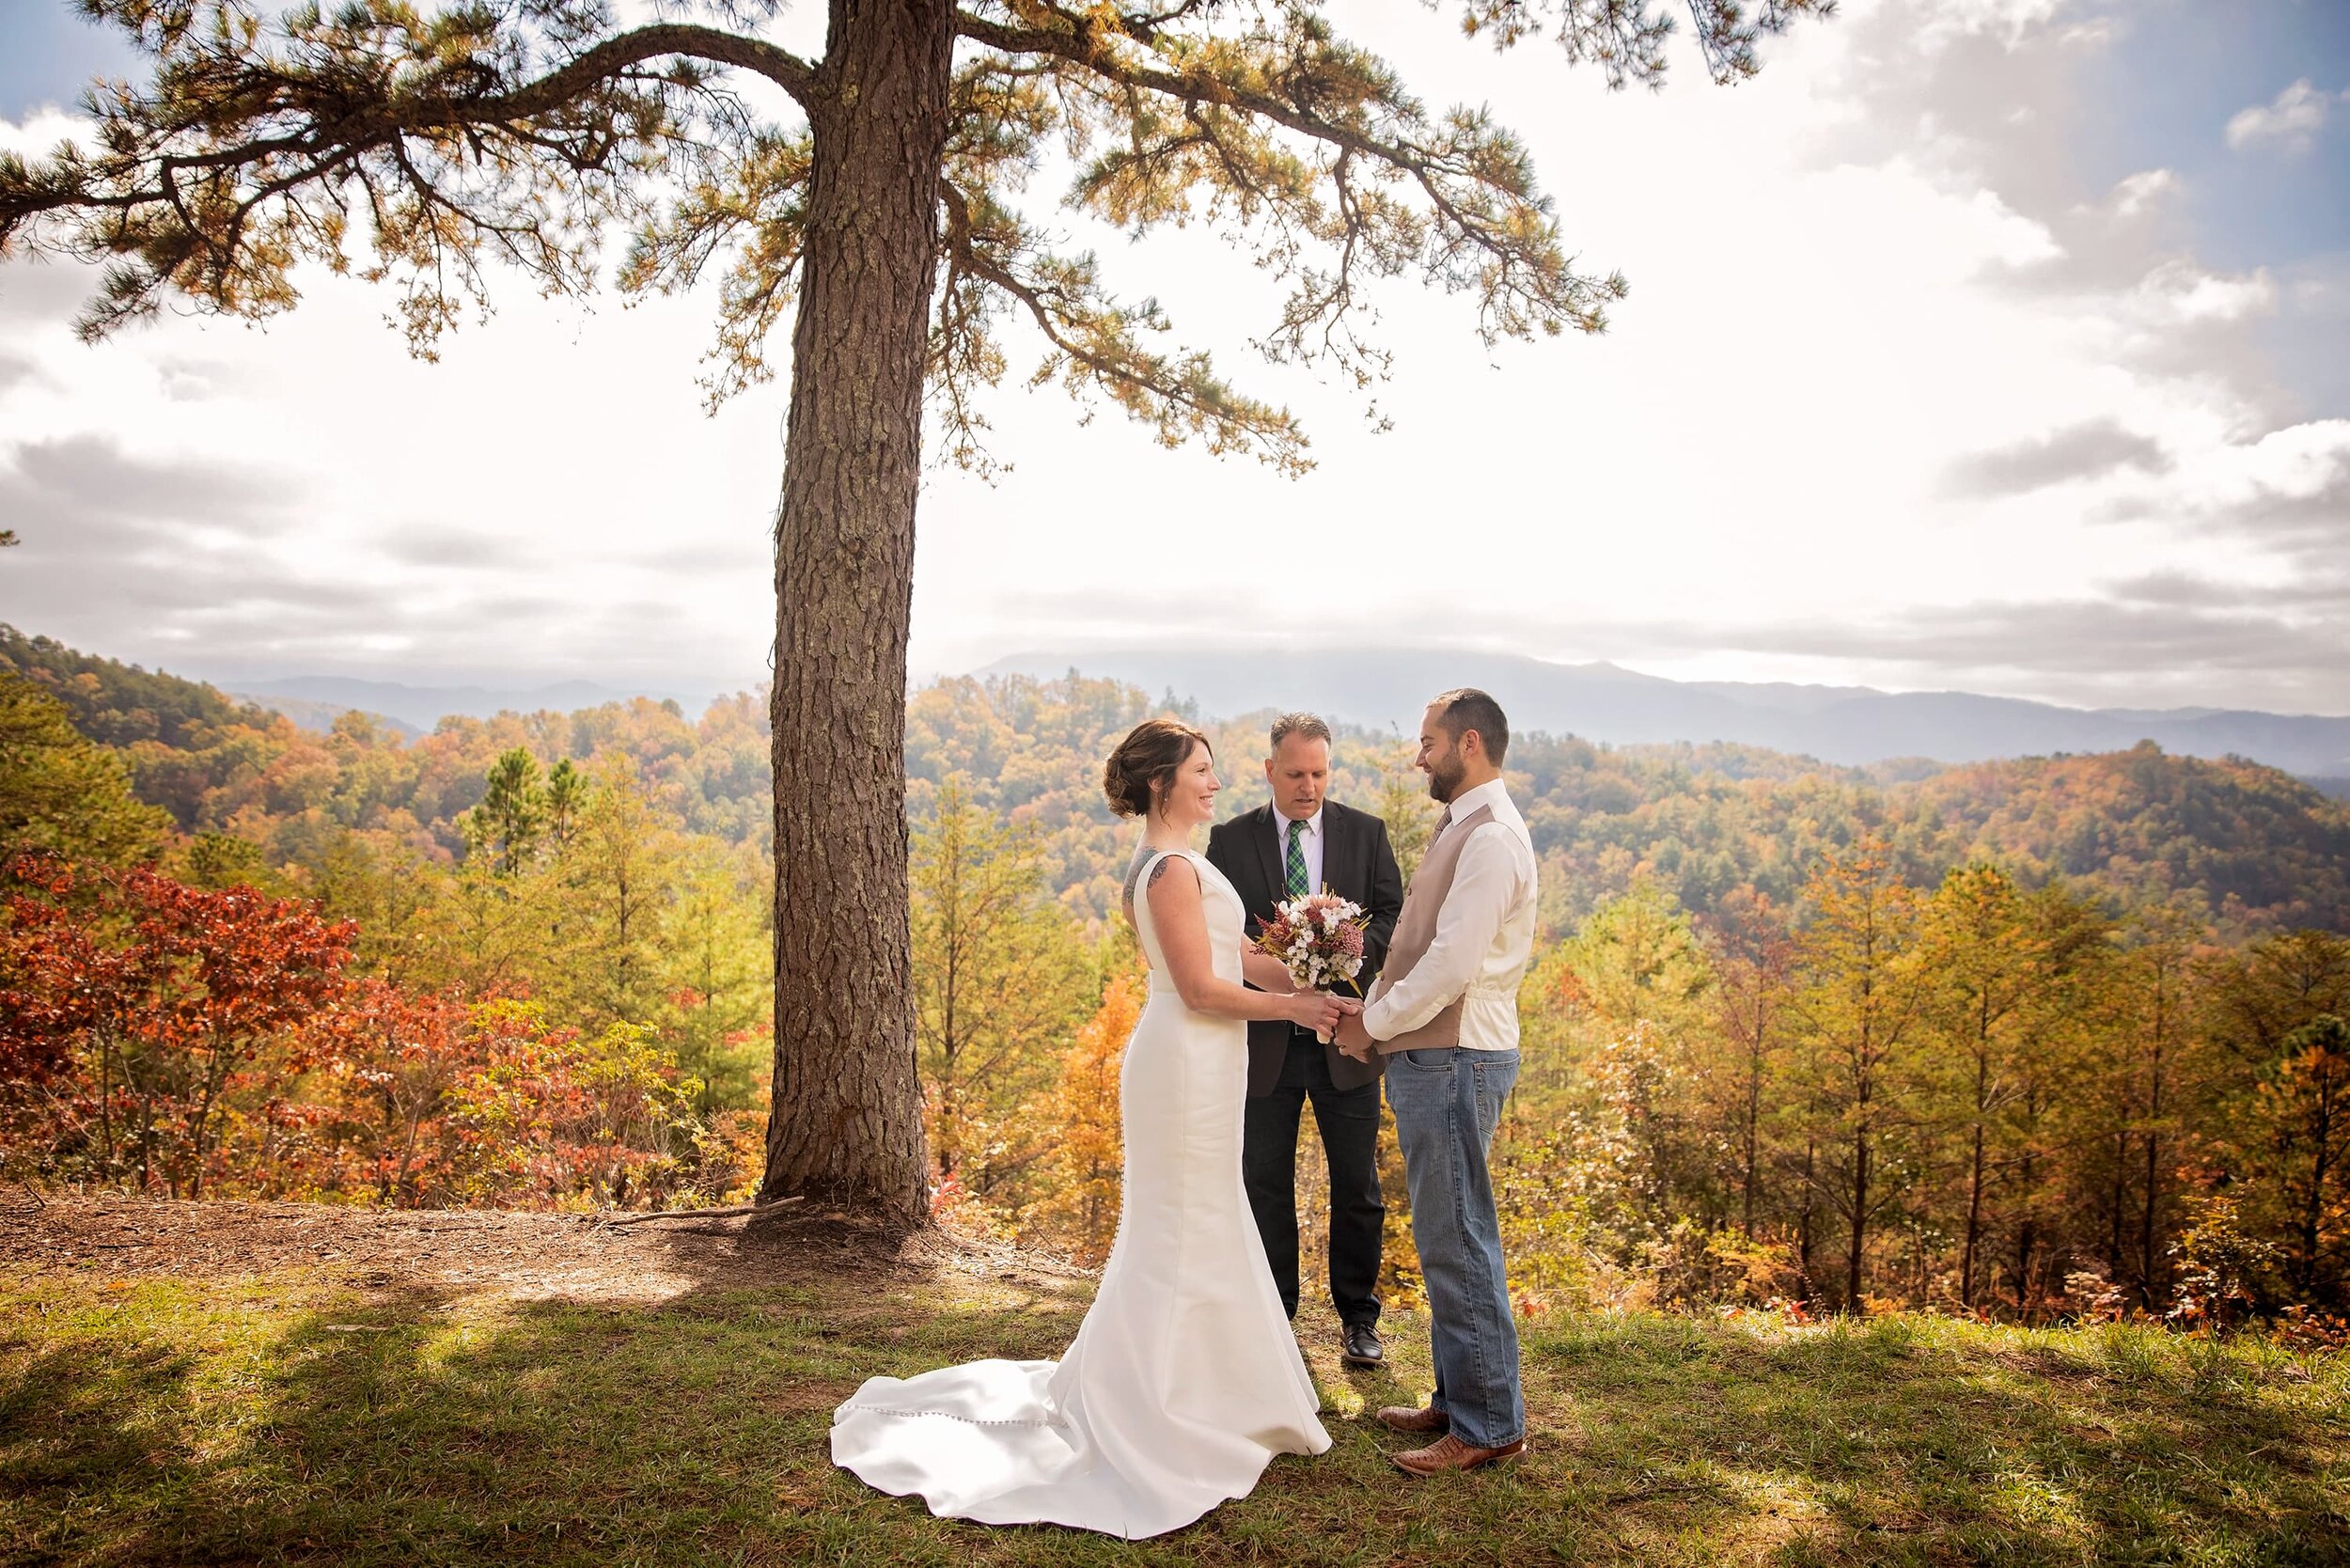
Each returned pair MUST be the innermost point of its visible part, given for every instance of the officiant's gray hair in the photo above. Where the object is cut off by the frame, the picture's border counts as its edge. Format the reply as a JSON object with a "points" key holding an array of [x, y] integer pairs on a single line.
{"points": [[1307, 725], [1467, 708]]}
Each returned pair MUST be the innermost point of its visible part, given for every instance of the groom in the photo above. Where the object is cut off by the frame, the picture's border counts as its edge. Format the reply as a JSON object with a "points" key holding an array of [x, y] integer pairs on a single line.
{"points": [[1301, 842], [1444, 1017]]}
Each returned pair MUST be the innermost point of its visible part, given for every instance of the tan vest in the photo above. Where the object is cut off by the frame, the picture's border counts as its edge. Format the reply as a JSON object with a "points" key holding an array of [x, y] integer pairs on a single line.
{"points": [[1416, 932]]}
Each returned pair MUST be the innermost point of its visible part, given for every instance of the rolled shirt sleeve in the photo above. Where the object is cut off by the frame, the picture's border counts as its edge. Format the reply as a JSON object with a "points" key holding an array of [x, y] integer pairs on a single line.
{"points": [[1484, 887]]}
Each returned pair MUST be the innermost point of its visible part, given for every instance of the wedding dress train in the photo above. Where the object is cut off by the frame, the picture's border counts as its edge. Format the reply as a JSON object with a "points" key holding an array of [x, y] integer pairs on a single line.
{"points": [[1184, 1380]]}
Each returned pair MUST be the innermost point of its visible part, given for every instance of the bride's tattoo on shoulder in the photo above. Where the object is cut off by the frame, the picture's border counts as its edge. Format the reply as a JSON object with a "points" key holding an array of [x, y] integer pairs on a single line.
{"points": [[1160, 869]]}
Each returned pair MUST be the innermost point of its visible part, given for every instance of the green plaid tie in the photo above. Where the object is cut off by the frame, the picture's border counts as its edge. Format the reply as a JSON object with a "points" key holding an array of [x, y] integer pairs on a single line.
{"points": [[1294, 867]]}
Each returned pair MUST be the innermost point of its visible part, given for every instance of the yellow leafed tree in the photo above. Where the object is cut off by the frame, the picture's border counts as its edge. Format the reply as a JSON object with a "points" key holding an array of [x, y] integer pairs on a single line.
{"points": [[1000, 982], [1080, 1214]]}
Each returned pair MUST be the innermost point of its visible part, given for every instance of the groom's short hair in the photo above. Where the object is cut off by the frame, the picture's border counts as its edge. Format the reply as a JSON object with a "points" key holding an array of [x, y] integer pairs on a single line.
{"points": [[1465, 708], [1299, 724]]}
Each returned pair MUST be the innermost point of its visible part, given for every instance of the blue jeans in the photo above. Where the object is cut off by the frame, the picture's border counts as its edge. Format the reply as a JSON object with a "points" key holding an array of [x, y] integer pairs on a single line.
{"points": [[1447, 1103]]}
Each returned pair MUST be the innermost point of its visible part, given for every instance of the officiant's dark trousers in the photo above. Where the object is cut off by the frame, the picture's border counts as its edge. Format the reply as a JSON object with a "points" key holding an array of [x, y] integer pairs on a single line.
{"points": [[1349, 1122]]}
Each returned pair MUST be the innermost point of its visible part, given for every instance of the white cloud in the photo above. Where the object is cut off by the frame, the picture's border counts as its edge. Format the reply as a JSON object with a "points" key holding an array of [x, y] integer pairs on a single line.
{"points": [[2142, 191], [2008, 20], [2289, 122], [2298, 464], [2180, 293], [40, 132]]}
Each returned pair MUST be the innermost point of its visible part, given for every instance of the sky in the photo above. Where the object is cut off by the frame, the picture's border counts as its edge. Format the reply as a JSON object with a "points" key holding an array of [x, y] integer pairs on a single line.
{"points": [[1991, 345]]}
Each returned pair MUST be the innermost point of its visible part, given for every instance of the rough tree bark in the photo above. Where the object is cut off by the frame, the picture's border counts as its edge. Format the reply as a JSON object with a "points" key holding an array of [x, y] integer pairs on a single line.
{"points": [[847, 1113]]}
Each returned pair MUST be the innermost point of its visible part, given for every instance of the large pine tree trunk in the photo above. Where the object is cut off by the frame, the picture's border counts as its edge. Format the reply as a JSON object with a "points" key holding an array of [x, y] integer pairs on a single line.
{"points": [[846, 1126]]}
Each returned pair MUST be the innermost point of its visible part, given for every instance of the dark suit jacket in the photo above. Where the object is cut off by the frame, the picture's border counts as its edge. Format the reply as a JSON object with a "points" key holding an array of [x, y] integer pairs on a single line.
{"points": [[1357, 863]]}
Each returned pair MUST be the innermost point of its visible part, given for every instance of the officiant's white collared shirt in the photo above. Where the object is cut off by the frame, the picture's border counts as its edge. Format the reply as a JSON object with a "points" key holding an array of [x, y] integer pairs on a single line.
{"points": [[1310, 842], [1485, 934]]}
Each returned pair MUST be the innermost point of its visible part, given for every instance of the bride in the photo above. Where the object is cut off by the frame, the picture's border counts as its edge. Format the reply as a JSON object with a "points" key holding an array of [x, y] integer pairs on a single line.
{"points": [[1184, 1380]]}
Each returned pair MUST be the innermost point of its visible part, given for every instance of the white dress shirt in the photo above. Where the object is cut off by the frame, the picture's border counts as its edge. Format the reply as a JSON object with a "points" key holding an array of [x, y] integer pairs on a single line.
{"points": [[1311, 842], [1485, 934]]}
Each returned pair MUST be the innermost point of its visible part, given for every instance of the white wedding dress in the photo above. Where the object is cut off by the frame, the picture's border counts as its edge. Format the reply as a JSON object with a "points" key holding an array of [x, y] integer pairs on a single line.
{"points": [[1184, 1380]]}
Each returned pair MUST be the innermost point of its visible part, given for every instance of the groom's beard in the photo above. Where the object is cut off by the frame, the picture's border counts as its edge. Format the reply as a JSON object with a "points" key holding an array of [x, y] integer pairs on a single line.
{"points": [[1444, 779]]}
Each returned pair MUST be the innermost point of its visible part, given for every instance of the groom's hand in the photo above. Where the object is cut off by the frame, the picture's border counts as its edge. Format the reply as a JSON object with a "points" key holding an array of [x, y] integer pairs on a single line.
{"points": [[1353, 1038]]}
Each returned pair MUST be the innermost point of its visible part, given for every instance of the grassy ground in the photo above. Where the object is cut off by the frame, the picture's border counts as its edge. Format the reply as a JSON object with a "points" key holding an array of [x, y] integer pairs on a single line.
{"points": [[341, 1410]]}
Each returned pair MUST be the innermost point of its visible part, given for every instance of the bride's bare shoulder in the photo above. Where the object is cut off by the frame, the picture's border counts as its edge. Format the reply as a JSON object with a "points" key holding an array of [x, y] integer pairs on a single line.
{"points": [[1171, 862], [1149, 875]]}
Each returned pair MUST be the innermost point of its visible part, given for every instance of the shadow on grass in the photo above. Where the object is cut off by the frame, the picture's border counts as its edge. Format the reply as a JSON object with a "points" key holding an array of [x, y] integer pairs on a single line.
{"points": [[1924, 1440], [248, 1422]]}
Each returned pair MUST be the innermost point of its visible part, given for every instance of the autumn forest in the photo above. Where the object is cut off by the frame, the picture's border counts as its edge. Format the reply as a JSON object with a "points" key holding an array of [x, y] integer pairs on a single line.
{"points": [[2056, 1037]]}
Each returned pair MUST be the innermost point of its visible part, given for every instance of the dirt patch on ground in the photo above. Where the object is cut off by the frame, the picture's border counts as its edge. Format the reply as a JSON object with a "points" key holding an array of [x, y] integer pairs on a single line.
{"points": [[531, 1256]]}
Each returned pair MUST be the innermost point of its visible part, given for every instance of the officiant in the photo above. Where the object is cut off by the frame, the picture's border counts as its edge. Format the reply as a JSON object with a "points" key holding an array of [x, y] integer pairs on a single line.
{"points": [[1301, 843]]}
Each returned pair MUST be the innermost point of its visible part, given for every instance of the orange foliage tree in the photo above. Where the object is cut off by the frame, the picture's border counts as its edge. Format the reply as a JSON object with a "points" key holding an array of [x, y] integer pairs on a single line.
{"points": [[212, 1041], [1080, 1210], [180, 991], [401, 1054]]}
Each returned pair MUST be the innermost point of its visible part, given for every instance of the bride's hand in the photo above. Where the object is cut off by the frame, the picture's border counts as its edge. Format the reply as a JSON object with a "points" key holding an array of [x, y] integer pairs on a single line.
{"points": [[1316, 1009]]}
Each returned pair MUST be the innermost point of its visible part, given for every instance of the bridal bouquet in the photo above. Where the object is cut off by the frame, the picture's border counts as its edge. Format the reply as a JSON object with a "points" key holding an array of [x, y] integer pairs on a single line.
{"points": [[1318, 937]]}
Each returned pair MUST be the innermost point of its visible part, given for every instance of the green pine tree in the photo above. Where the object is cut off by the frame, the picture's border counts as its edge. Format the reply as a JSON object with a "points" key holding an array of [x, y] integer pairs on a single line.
{"points": [[506, 827]]}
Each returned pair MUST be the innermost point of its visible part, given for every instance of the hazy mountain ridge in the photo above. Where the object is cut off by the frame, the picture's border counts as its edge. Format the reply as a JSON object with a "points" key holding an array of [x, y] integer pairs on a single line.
{"points": [[315, 702], [1847, 725], [319, 717], [1851, 725]]}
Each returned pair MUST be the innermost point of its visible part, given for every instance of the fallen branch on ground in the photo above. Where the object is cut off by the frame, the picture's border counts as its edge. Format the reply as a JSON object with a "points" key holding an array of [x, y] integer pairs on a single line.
{"points": [[699, 1213]]}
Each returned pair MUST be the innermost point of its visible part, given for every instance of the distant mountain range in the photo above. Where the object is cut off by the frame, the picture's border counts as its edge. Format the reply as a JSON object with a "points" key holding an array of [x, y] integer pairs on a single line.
{"points": [[1849, 724], [1854, 726], [315, 702]]}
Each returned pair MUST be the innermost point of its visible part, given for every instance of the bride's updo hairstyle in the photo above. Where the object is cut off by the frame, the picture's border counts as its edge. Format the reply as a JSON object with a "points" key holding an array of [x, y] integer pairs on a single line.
{"points": [[1146, 763]]}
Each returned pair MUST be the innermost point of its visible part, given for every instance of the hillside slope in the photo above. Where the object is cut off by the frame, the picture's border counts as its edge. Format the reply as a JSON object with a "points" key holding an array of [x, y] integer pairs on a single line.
{"points": [[2261, 849]]}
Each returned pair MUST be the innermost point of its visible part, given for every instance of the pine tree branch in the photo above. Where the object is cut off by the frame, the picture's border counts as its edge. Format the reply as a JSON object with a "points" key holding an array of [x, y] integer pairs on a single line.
{"points": [[1491, 229], [1084, 45], [243, 157], [338, 136], [1094, 335]]}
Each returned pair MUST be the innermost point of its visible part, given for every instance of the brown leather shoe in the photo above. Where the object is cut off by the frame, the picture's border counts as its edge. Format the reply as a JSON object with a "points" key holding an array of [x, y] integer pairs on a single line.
{"points": [[1406, 1418], [1449, 1453]]}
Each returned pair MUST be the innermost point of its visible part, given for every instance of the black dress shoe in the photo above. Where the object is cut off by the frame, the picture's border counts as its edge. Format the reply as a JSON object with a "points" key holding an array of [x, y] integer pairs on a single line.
{"points": [[1360, 1346]]}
